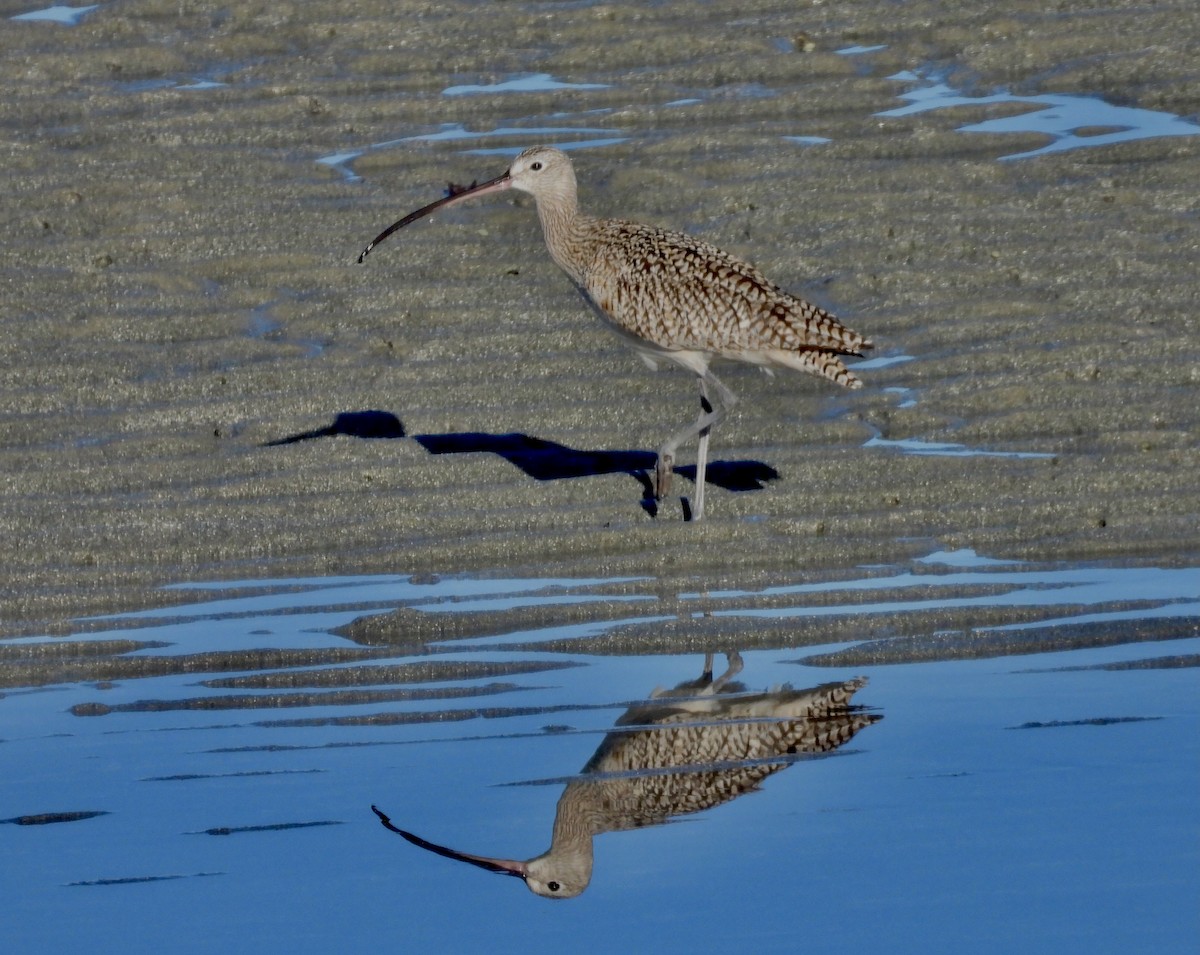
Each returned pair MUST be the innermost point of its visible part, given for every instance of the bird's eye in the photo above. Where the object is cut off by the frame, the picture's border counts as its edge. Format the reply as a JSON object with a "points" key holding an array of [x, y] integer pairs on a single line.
{"points": [[552, 886], [537, 167]]}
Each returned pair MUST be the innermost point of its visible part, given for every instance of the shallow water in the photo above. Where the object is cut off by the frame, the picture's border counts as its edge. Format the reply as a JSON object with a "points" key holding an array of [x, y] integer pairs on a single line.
{"points": [[456, 131], [1070, 122], [1041, 802], [61, 14]]}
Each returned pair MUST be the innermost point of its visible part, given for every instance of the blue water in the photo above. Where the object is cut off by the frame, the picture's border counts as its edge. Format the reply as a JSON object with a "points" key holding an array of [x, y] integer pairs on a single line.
{"points": [[532, 83], [946, 827], [576, 137], [1069, 121], [67, 16]]}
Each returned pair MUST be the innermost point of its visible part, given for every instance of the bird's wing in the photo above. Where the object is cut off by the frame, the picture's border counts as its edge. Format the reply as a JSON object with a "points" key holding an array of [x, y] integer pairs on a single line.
{"points": [[679, 292]]}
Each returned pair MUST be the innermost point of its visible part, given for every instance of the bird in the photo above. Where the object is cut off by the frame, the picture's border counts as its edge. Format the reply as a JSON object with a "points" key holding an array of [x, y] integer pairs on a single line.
{"points": [[669, 295], [681, 751]]}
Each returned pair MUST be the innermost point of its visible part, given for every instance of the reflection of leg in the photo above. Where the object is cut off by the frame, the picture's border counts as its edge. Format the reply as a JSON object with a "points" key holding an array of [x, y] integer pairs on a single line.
{"points": [[735, 667]]}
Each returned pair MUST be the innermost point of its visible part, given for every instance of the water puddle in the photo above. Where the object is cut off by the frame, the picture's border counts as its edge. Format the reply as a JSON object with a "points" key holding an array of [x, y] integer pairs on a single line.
{"points": [[883, 361], [264, 324], [1069, 121], [168, 83], [908, 399], [860, 50], [907, 396], [68, 16], [564, 137], [533, 83], [942, 448], [487, 719]]}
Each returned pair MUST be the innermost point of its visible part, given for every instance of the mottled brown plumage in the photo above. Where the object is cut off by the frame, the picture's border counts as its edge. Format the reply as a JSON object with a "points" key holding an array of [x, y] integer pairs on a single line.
{"points": [[677, 754], [671, 297], [704, 751], [680, 295]]}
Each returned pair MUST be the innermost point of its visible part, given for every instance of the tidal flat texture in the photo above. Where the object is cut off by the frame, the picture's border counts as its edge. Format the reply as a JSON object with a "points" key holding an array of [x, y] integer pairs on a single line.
{"points": [[180, 294]]}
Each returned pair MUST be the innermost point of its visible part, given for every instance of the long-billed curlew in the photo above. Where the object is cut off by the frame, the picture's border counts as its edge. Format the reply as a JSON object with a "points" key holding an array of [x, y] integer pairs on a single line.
{"points": [[679, 754], [670, 296]]}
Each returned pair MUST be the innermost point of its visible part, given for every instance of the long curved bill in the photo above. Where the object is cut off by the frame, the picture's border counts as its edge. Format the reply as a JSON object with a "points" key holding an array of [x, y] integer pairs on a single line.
{"points": [[502, 866], [499, 184]]}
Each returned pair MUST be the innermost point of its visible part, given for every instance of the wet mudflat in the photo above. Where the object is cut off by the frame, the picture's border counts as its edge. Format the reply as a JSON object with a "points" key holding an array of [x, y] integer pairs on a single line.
{"points": [[200, 388], [188, 190]]}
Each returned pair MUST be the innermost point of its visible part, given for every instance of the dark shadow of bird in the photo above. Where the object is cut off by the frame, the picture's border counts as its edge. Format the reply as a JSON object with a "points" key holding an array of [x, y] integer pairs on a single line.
{"points": [[550, 461], [542, 460], [354, 424]]}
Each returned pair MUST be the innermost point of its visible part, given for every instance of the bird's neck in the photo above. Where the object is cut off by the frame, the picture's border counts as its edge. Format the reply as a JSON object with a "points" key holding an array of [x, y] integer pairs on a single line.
{"points": [[565, 229]]}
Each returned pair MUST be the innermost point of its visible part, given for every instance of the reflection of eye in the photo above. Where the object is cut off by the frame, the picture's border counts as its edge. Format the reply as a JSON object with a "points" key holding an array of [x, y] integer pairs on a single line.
{"points": [[552, 886], [537, 167]]}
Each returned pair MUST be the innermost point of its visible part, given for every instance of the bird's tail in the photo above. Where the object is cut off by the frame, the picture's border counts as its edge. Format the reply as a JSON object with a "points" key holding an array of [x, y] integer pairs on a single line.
{"points": [[818, 361]]}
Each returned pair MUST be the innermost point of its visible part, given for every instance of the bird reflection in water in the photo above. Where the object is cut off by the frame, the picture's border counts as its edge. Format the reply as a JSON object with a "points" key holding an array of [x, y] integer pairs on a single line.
{"points": [[701, 744]]}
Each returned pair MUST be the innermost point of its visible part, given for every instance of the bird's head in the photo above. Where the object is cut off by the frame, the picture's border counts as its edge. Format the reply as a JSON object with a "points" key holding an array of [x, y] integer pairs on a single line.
{"points": [[550, 875], [543, 171]]}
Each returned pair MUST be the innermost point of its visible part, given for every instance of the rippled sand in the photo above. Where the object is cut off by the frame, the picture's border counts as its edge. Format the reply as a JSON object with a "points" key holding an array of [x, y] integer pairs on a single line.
{"points": [[180, 291]]}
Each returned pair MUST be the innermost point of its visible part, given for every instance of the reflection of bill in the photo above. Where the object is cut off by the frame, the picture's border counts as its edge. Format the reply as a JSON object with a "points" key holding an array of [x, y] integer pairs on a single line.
{"points": [[703, 743]]}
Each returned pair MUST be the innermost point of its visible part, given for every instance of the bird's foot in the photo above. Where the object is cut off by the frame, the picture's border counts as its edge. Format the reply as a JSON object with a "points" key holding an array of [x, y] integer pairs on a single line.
{"points": [[664, 470]]}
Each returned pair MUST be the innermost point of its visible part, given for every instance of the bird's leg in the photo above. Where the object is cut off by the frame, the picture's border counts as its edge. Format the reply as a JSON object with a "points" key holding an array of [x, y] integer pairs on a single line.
{"points": [[664, 468], [710, 416], [706, 409]]}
